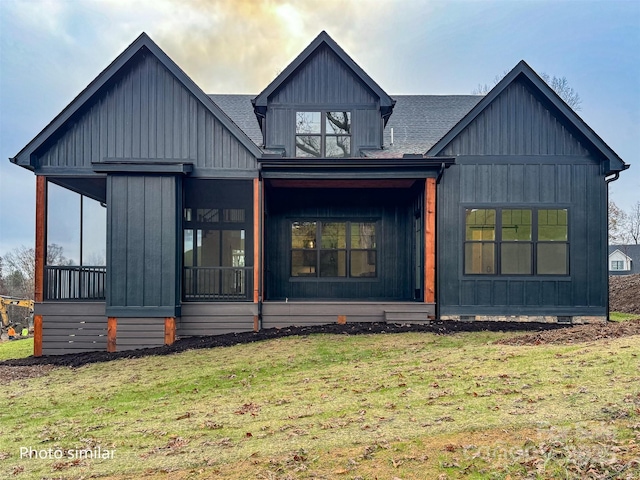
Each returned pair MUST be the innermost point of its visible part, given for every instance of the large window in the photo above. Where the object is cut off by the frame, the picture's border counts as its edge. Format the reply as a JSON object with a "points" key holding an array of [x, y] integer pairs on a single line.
{"points": [[516, 241], [323, 134], [333, 249]]}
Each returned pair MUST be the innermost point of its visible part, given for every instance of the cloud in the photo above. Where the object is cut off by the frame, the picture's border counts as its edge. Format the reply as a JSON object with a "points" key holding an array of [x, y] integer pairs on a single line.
{"points": [[47, 17], [240, 46]]}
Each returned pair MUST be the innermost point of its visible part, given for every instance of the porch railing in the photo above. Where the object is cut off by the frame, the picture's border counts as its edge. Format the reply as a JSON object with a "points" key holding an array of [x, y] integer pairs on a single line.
{"points": [[217, 283], [74, 282]]}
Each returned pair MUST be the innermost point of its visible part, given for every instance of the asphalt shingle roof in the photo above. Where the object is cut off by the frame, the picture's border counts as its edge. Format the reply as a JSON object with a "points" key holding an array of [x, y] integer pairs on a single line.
{"points": [[418, 121], [239, 109]]}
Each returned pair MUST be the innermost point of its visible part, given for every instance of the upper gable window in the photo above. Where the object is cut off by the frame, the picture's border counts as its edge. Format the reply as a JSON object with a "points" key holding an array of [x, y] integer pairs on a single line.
{"points": [[323, 134]]}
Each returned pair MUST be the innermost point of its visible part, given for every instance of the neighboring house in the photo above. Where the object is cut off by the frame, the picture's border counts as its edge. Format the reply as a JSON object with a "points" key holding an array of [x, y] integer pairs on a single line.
{"points": [[321, 199], [624, 259]]}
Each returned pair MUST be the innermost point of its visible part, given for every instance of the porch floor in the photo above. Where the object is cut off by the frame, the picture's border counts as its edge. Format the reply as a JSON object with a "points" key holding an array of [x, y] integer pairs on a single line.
{"points": [[302, 313]]}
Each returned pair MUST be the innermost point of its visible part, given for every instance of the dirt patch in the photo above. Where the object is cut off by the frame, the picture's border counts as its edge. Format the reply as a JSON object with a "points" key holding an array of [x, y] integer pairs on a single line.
{"points": [[437, 327], [578, 334], [624, 293], [11, 374]]}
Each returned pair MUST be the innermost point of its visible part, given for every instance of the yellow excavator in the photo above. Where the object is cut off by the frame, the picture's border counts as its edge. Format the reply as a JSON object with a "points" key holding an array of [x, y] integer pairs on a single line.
{"points": [[25, 323]]}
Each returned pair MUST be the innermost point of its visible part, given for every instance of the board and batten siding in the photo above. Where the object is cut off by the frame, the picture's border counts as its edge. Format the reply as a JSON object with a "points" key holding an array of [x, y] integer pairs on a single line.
{"points": [[323, 82], [145, 113], [323, 78], [579, 188], [516, 153], [143, 215], [394, 217], [516, 123]]}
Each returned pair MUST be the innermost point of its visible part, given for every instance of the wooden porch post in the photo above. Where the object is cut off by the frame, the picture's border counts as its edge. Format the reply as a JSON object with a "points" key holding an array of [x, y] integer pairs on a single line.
{"points": [[112, 328], [40, 251], [169, 330], [430, 241]]}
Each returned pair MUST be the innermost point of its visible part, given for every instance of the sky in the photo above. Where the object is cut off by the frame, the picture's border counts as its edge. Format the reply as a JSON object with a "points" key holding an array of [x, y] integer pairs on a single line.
{"points": [[50, 50]]}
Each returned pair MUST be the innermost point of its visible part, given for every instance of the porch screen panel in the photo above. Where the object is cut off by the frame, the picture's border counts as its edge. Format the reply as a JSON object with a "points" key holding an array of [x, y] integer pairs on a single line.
{"points": [[217, 223]]}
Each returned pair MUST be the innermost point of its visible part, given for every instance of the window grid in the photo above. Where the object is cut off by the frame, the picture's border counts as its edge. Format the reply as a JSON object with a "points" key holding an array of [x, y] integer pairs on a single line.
{"points": [[516, 241], [333, 249], [323, 134], [617, 264]]}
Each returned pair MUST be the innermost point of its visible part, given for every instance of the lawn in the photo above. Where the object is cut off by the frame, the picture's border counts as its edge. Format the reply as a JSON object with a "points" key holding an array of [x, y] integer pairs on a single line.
{"points": [[16, 348], [407, 406]]}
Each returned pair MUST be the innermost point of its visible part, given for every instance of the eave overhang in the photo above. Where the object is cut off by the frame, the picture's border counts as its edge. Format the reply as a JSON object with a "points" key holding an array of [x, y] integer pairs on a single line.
{"points": [[352, 168], [260, 102], [612, 162], [143, 167]]}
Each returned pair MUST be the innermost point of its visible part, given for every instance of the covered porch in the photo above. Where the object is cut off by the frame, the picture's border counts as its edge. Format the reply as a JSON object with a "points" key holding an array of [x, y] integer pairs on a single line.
{"points": [[349, 241]]}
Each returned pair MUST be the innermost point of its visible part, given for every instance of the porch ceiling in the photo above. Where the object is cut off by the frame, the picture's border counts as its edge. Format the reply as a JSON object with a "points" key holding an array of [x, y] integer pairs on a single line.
{"points": [[92, 187], [336, 183]]}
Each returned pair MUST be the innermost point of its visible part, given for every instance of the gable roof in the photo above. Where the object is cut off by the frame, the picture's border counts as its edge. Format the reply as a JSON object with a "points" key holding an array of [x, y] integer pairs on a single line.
{"points": [[386, 102], [23, 158], [523, 70], [631, 251], [617, 250]]}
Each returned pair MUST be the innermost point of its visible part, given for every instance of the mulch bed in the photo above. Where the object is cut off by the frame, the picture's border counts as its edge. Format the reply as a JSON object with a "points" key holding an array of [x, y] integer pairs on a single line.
{"points": [[540, 333], [437, 327]]}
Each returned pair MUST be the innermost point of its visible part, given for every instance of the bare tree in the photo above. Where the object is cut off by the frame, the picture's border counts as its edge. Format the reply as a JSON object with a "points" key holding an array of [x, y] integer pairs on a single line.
{"points": [[617, 221], [632, 223], [560, 85], [19, 266]]}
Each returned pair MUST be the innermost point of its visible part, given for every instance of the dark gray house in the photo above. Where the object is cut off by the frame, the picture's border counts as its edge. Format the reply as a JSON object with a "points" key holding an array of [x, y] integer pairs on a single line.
{"points": [[322, 199]]}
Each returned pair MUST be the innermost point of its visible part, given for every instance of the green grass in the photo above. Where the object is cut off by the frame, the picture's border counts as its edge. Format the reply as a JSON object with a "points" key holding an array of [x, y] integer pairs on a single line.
{"points": [[408, 406], [16, 348], [622, 317]]}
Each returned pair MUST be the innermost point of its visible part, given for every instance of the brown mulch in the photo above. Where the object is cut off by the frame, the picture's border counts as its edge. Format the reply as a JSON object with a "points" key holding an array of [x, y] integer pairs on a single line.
{"points": [[437, 326], [624, 293], [577, 334]]}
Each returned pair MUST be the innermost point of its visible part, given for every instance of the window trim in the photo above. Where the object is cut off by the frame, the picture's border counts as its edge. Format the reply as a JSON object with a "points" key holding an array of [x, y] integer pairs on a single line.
{"points": [[347, 249], [323, 135], [618, 263], [534, 242]]}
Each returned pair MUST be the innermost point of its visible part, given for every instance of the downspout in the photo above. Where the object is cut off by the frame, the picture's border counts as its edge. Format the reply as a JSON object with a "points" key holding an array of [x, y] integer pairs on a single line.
{"points": [[259, 262], [437, 286], [440, 173], [615, 177]]}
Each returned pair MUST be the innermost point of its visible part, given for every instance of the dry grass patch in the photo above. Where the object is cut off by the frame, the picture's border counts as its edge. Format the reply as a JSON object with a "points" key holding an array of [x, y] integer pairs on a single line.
{"points": [[327, 406]]}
